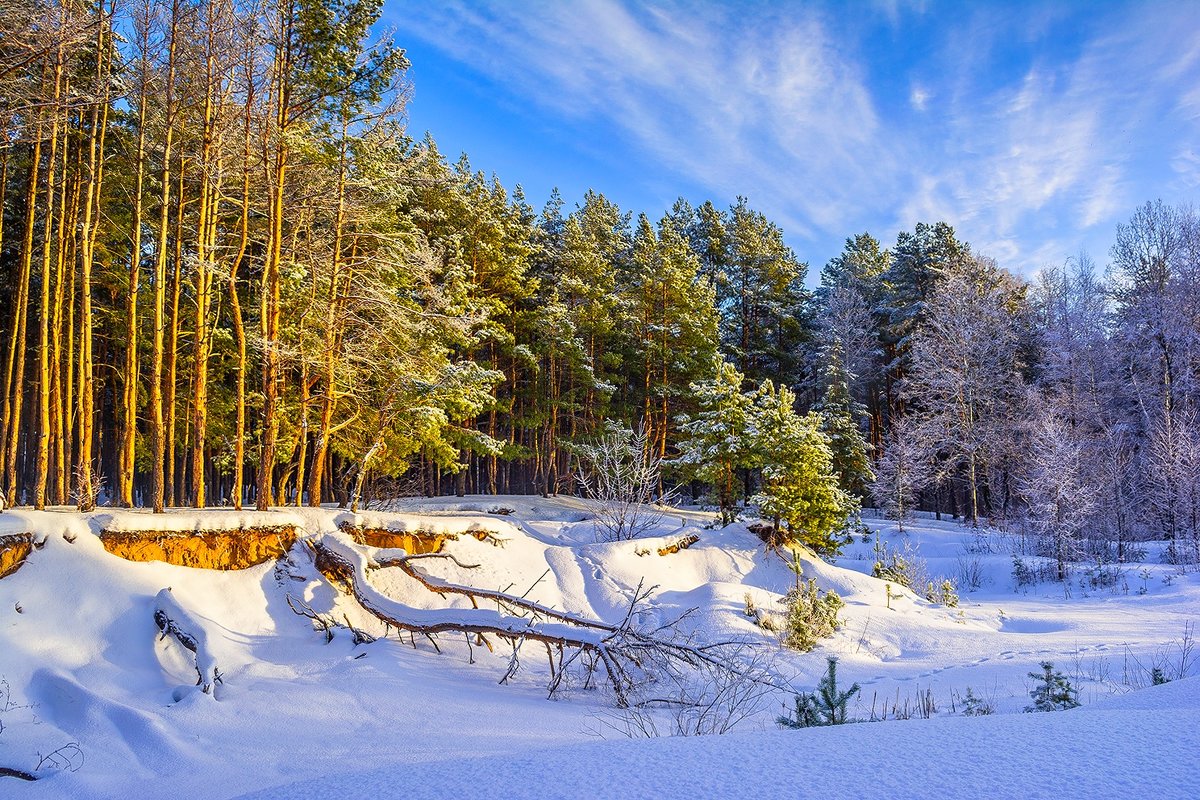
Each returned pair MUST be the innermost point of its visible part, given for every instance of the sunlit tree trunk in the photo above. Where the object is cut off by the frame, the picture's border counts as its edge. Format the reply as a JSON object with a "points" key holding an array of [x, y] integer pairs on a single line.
{"points": [[42, 463], [16, 354], [157, 432], [125, 490]]}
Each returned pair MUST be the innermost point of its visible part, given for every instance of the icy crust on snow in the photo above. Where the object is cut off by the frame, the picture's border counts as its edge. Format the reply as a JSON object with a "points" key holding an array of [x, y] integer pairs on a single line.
{"points": [[78, 643]]}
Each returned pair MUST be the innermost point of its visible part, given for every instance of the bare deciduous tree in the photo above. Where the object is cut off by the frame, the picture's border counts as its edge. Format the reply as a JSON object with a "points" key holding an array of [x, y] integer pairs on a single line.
{"points": [[620, 472]]}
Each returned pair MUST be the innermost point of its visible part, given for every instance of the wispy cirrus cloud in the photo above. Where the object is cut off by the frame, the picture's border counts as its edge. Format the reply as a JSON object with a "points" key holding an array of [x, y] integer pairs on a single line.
{"points": [[1025, 144], [1032, 165], [764, 104]]}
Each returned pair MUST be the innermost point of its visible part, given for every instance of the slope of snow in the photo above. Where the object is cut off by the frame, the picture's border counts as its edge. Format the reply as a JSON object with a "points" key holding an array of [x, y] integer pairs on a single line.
{"points": [[79, 647], [1145, 750]]}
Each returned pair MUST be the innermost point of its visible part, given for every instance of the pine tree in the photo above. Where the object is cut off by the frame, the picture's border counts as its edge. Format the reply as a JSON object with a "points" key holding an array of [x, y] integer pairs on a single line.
{"points": [[765, 309], [1053, 691], [800, 487], [672, 309], [716, 439]]}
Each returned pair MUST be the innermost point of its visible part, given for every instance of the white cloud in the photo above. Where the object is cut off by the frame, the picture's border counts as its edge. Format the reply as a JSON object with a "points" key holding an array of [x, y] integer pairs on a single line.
{"points": [[776, 104], [761, 104], [918, 98]]}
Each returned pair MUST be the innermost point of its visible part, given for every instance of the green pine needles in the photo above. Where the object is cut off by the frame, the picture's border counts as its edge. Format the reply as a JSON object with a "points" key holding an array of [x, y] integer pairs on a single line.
{"points": [[811, 615], [827, 706], [1053, 691]]}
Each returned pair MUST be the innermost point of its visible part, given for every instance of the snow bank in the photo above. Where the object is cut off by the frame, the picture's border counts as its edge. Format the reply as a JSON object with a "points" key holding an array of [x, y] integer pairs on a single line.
{"points": [[79, 645]]}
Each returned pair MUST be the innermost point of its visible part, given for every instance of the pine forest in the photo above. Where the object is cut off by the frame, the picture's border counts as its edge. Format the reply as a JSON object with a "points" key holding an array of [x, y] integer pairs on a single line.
{"points": [[231, 277]]}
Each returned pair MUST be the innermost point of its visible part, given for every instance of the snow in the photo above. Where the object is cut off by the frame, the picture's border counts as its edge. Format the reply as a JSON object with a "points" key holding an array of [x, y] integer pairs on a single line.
{"points": [[296, 717], [188, 520], [1086, 753]]}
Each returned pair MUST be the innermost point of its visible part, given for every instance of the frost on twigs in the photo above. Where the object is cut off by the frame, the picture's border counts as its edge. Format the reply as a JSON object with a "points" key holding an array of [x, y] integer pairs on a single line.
{"points": [[710, 700], [67, 757], [621, 472]]}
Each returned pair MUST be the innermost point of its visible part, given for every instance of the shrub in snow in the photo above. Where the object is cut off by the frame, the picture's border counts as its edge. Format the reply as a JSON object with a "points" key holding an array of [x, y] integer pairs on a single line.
{"points": [[904, 567], [1102, 575], [710, 700], [970, 573], [945, 593], [621, 472], [1028, 573], [1053, 690], [974, 706], [826, 707], [810, 616]]}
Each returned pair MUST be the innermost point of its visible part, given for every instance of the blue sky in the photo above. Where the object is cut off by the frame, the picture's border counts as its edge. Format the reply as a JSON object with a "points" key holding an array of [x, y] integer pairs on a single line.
{"points": [[1033, 128]]}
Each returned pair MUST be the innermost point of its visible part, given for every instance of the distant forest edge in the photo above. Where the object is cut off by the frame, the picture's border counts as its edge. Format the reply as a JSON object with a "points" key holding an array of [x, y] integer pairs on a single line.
{"points": [[228, 276]]}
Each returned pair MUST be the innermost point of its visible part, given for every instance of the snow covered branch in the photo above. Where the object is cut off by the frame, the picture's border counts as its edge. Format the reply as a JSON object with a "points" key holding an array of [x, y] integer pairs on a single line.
{"points": [[176, 621], [627, 654]]}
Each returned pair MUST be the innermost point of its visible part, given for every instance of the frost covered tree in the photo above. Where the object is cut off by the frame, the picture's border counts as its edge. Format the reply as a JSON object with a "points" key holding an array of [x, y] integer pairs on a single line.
{"points": [[799, 485], [1155, 282], [902, 471], [1173, 480], [1155, 276], [965, 383], [917, 260], [1057, 490], [1070, 306], [621, 471], [840, 416]]}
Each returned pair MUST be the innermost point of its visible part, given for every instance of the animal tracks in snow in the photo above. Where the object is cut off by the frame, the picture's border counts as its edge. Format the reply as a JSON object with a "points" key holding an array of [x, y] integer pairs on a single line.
{"points": [[1033, 656]]}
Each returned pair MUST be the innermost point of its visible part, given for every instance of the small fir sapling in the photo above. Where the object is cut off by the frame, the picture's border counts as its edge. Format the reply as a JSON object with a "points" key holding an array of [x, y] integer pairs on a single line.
{"points": [[975, 706], [825, 707], [1053, 691], [804, 715], [810, 616]]}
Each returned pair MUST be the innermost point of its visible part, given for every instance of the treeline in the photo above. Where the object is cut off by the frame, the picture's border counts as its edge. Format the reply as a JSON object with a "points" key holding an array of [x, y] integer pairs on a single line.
{"points": [[230, 277]]}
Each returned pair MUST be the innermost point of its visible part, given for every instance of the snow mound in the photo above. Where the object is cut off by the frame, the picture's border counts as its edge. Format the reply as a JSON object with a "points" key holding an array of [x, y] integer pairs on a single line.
{"points": [[85, 663]]}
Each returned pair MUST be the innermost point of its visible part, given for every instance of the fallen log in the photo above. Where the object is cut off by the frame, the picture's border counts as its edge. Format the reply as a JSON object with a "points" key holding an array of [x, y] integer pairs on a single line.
{"points": [[629, 655], [19, 774]]}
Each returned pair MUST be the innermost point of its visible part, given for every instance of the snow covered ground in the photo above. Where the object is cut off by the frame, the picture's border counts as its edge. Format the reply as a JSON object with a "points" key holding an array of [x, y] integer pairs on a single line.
{"points": [[296, 717]]}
